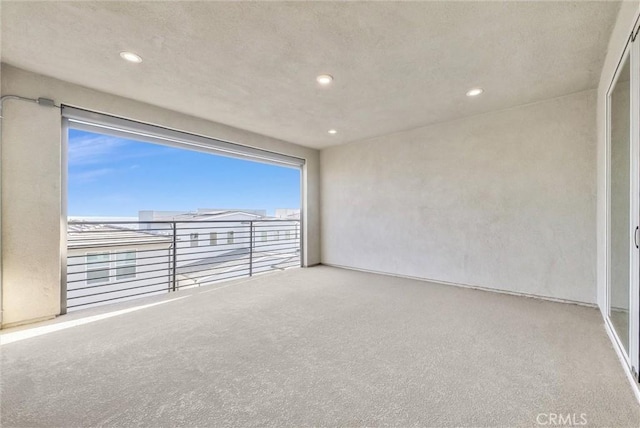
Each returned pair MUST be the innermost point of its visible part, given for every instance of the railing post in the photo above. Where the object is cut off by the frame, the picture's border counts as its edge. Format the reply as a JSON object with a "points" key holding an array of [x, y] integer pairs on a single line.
{"points": [[251, 248], [174, 255]]}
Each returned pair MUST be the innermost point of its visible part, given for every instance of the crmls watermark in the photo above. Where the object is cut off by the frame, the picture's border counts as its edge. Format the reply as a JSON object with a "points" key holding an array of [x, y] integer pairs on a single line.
{"points": [[562, 419]]}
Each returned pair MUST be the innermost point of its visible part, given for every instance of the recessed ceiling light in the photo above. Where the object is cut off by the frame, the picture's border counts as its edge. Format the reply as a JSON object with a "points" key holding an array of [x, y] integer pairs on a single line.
{"points": [[325, 79], [131, 57], [332, 131], [474, 92]]}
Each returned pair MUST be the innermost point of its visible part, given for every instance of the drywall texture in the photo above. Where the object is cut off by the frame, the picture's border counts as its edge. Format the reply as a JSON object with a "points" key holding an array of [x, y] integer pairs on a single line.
{"points": [[31, 163], [504, 200], [626, 18], [30, 211]]}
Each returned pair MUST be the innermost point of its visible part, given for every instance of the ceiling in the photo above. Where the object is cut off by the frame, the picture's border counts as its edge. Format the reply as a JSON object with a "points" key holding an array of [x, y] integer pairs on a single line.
{"points": [[253, 65]]}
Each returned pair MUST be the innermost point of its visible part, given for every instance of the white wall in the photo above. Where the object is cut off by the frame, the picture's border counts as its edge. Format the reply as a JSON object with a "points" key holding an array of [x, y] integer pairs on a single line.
{"points": [[504, 200], [619, 36], [31, 177]]}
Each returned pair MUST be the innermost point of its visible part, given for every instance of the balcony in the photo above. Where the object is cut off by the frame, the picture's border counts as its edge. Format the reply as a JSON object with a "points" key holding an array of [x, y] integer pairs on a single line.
{"points": [[118, 261], [469, 190], [317, 347]]}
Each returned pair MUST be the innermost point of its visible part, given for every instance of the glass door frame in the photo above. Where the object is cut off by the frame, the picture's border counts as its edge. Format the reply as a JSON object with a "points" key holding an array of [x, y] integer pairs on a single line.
{"points": [[631, 358]]}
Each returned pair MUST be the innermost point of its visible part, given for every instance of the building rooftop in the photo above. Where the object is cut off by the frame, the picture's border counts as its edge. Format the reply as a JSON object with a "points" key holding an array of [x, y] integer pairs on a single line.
{"points": [[86, 235]]}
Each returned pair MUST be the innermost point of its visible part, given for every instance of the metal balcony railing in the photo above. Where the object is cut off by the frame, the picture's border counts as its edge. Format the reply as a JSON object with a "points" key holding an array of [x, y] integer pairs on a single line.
{"points": [[116, 261]]}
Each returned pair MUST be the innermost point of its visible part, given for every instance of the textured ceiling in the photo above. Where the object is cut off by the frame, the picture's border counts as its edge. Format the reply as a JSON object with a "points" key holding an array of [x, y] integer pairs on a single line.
{"points": [[253, 65]]}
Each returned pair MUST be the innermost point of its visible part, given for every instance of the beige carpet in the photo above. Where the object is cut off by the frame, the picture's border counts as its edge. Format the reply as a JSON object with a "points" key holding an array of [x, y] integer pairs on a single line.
{"points": [[321, 347]]}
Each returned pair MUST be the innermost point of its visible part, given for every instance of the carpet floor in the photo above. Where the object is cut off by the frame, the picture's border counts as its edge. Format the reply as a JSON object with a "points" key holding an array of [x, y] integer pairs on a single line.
{"points": [[318, 347]]}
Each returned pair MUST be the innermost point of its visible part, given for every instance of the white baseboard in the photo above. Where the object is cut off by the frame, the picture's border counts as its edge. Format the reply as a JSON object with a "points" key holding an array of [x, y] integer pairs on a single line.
{"points": [[474, 287]]}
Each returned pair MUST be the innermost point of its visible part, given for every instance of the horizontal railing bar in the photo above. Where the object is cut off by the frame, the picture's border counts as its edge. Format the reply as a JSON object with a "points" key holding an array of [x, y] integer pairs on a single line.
{"points": [[283, 254], [122, 231], [168, 262], [127, 244], [266, 268], [128, 248], [182, 221], [242, 257], [224, 237], [245, 274], [194, 267], [273, 255], [121, 282], [120, 289], [229, 228], [138, 275], [89, 264], [197, 277], [116, 298], [213, 270], [247, 241], [159, 283], [237, 240], [98, 263], [264, 263], [207, 249], [186, 250], [138, 252], [225, 251], [284, 242], [185, 257]]}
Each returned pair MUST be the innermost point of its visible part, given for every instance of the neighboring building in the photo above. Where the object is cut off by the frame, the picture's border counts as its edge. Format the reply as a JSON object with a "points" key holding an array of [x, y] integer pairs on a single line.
{"points": [[220, 244], [290, 213], [106, 263], [226, 230]]}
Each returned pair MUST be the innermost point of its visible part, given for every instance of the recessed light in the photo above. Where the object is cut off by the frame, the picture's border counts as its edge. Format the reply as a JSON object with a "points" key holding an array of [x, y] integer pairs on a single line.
{"points": [[325, 79], [474, 92], [332, 131], [131, 57]]}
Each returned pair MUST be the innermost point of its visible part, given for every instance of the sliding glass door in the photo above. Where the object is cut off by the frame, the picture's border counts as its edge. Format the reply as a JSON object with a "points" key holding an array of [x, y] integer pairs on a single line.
{"points": [[620, 221], [623, 207]]}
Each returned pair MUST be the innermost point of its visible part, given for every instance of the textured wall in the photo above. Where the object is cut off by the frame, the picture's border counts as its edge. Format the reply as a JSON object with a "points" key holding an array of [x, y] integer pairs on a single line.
{"points": [[31, 166], [30, 211], [504, 200]]}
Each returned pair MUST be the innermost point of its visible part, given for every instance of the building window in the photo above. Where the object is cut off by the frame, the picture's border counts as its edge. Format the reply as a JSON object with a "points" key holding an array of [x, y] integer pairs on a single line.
{"points": [[213, 238], [263, 236], [229, 237], [277, 235], [126, 265], [98, 268], [194, 239]]}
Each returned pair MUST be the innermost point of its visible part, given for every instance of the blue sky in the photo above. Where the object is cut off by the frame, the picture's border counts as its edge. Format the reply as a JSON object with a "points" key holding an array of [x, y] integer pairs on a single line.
{"points": [[111, 176]]}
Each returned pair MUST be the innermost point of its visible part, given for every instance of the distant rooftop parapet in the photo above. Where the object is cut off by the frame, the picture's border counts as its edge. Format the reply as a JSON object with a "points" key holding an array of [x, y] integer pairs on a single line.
{"points": [[288, 213], [261, 213], [201, 214], [83, 235], [103, 219]]}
